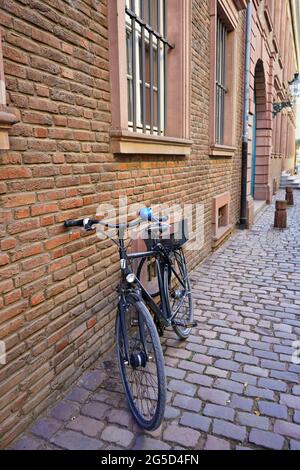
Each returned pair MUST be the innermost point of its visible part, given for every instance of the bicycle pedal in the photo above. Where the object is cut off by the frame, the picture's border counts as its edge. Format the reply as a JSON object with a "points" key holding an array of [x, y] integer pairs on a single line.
{"points": [[185, 324]]}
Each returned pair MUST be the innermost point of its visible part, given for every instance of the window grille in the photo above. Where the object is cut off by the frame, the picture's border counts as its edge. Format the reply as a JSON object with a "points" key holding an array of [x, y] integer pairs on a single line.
{"points": [[147, 49], [220, 80]]}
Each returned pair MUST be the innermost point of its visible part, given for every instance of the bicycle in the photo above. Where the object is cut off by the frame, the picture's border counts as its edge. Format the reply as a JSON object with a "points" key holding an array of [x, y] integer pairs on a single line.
{"points": [[139, 352]]}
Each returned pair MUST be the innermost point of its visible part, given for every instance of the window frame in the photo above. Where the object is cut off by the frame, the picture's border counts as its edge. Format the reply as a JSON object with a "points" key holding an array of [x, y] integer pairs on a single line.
{"points": [[227, 11], [7, 116], [176, 138], [141, 126]]}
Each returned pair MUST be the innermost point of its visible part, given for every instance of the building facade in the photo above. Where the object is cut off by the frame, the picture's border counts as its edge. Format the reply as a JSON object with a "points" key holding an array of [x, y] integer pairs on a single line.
{"points": [[102, 99]]}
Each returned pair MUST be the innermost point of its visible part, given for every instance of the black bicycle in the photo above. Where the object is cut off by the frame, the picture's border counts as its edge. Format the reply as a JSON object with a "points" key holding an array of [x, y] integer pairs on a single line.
{"points": [[139, 353]]}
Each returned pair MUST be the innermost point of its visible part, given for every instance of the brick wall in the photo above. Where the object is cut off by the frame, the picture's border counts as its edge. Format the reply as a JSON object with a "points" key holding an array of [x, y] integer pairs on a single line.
{"points": [[57, 293]]}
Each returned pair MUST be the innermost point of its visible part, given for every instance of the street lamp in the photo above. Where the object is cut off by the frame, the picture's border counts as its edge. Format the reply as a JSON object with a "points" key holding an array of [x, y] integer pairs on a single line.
{"points": [[295, 93]]}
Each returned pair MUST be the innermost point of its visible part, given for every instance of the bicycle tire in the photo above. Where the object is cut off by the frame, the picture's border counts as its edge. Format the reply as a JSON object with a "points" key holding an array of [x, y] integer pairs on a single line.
{"points": [[154, 421], [182, 332]]}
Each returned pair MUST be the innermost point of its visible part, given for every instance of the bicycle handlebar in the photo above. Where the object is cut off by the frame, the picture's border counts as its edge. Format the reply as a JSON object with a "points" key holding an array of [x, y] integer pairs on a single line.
{"points": [[145, 215]]}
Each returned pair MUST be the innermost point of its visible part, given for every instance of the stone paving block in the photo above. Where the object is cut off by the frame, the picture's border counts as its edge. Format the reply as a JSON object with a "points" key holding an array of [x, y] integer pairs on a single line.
{"points": [[119, 436], [92, 379], [243, 378], [95, 410], [265, 354], [182, 387], [253, 421], [215, 443], [226, 429], [253, 370], [240, 348], [273, 409], [285, 376], [195, 421], [204, 359], [147, 443], [276, 385], [187, 403], [221, 353], [215, 372], [192, 366], [174, 372], [275, 365], [232, 339], [226, 365], [90, 427], [291, 401], [80, 395], [121, 417], [26, 443], [229, 386], [259, 392], [64, 411], [72, 440], [296, 389], [215, 343], [180, 353], [218, 411], [266, 439], [294, 445], [214, 396], [46, 427], [199, 379], [241, 403], [183, 436], [296, 417], [171, 412], [287, 429], [246, 359]]}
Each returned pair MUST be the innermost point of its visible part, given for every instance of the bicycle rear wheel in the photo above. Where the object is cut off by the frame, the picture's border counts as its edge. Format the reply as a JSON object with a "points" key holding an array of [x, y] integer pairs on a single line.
{"points": [[143, 376], [178, 293]]}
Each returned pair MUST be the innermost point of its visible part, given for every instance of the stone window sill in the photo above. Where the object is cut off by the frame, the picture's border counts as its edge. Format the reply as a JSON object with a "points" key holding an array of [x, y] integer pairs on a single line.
{"points": [[223, 151], [7, 119], [129, 143], [221, 235]]}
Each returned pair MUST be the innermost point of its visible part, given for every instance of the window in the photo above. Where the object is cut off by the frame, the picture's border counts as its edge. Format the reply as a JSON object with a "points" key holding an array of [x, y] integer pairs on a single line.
{"points": [[150, 114], [221, 89], [225, 65], [147, 51]]}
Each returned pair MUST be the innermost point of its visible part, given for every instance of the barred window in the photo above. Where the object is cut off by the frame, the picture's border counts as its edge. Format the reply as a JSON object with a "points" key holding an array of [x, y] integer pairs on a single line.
{"points": [[147, 50], [220, 80]]}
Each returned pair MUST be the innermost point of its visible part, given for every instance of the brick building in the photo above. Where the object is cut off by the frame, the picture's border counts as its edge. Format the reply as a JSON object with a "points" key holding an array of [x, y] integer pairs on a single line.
{"points": [[90, 110]]}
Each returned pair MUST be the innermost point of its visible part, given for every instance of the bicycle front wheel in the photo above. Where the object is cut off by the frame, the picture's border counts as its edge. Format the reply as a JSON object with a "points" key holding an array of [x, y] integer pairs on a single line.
{"points": [[143, 375], [178, 294]]}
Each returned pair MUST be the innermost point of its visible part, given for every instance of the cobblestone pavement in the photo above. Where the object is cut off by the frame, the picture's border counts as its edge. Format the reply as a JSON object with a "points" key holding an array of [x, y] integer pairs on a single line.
{"points": [[233, 384]]}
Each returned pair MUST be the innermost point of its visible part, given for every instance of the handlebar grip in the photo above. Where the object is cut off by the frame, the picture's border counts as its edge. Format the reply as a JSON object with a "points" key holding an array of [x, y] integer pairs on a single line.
{"points": [[73, 223]]}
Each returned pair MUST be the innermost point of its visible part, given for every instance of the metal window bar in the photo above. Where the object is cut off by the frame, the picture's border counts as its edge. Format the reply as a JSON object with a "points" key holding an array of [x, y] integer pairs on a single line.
{"points": [[160, 39], [158, 72], [221, 88]]}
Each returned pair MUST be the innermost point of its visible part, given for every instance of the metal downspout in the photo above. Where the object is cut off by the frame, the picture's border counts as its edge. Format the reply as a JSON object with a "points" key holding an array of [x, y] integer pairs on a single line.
{"points": [[243, 215]]}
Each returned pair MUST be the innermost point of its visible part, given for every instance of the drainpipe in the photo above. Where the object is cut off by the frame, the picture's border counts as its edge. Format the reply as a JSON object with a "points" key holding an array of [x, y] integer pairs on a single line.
{"points": [[243, 215]]}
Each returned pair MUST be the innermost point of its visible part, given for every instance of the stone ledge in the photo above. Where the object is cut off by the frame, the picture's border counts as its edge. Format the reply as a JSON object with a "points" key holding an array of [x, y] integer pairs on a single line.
{"points": [[130, 143], [7, 119]]}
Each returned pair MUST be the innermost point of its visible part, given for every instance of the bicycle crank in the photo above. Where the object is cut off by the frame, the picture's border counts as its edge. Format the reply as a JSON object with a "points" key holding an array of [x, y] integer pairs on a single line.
{"points": [[185, 324]]}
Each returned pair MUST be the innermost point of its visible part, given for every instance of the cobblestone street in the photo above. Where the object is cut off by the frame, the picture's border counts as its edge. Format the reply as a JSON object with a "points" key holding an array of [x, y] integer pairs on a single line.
{"points": [[233, 384]]}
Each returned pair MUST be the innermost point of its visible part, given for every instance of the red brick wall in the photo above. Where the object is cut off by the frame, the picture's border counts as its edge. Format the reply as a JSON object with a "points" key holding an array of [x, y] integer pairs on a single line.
{"points": [[57, 293]]}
